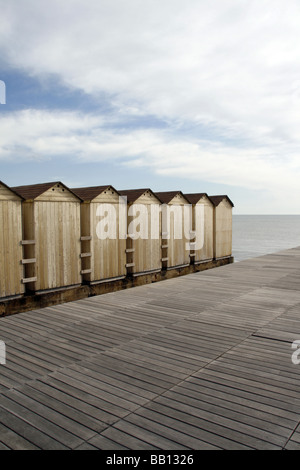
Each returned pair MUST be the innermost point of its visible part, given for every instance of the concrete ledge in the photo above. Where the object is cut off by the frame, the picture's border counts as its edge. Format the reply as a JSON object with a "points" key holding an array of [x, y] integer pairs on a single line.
{"points": [[47, 299]]}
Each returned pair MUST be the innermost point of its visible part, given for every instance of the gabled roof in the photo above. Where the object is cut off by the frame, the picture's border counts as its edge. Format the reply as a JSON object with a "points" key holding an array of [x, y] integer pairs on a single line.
{"points": [[133, 194], [91, 192], [218, 199], [194, 198], [11, 189], [167, 196], [32, 191]]}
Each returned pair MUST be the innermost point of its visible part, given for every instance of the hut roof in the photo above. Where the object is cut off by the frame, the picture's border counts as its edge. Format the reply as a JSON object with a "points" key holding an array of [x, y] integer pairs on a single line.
{"points": [[11, 189], [32, 191], [195, 197], [218, 199], [91, 192], [133, 194], [167, 196]]}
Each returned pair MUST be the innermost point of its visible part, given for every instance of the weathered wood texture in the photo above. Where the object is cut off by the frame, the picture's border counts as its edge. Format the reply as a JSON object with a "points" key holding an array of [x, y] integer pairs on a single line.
{"points": [[11, 269], [52, 221], [198, 362], [176, 225], [223, 230], [203, 224], [106, 256], [144, 235], [67, 241], [33, 301]]}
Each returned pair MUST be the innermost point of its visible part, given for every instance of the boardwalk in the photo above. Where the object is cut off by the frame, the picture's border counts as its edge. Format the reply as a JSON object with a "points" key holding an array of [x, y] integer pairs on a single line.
{"points": [[197, 362]]}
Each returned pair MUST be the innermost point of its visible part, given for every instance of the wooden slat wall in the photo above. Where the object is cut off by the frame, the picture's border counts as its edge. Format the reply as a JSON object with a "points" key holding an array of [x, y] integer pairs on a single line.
{"points": [[52, 222], [11, 269], [57, 244], [87, 245], [29, 236], [147, 252], [223, 230], [207, 251], [178, 255], [108, 255]]}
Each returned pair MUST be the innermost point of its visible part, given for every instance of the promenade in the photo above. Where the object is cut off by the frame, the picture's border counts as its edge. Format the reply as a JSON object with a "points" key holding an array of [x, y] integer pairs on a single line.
{"points": [[202, 361]]}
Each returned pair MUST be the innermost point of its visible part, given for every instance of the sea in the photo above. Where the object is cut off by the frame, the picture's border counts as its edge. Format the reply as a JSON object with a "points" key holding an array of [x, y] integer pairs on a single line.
{"points": [[257, 235]]}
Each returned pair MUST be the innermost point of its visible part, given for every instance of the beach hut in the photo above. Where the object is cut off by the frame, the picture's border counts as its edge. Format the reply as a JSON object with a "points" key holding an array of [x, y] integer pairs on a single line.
{"points": [[222, 226], [143, 246], [176, 228], [103, 240], [11, 256], [202, 246], [51, 236]]}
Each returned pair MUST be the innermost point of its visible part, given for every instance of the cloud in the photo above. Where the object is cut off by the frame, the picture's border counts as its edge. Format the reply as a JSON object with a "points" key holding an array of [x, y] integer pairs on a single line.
{"points": [[234, 65], [223, 77], [43, 135], [35, 134]]}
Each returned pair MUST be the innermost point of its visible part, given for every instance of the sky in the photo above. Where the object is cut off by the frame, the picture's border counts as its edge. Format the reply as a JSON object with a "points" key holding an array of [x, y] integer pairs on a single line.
{"points": [[196, 96]]}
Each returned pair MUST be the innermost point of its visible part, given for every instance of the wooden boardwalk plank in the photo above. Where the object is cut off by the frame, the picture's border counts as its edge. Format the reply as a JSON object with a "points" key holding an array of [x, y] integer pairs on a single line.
{"points": [[19, 434], [202, 361], [113, 438]]}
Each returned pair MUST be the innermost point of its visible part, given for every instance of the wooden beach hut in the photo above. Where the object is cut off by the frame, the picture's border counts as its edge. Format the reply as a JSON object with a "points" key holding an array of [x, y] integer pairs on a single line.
{"points": [[202, 246], [222, 226], [176, 222], [103, 240], [143, 248], [11, 256], [51, 236]]}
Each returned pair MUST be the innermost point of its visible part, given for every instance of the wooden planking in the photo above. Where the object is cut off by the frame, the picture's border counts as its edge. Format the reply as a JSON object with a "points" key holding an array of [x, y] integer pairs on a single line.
{"points": [[57, 193], [57, 426], [145, 221], [157, 433], [178, 254], [204, 229], [11, 271], [6, 194], [199, 428], [200, 362], [12, 440], [54, 224], [223, 229], [108, 255], [294, 442]]}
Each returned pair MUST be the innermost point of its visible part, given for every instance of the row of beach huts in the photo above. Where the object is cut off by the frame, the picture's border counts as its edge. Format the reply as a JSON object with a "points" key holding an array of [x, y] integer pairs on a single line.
{"points": [[54, 237]]}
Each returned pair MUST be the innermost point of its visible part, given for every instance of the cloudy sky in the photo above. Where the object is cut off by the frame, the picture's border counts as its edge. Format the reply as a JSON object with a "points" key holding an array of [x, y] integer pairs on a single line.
{"points": [[197, 96]]}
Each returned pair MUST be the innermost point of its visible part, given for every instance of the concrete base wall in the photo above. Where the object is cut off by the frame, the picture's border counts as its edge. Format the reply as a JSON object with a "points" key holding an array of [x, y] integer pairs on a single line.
{"points": [[46, 299]]}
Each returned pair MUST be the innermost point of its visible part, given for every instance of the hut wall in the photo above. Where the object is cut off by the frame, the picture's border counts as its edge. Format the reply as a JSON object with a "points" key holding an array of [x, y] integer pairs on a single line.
{"points": [[28, 238], [53, 221], [101, 221], [204, 230], [223, 230], [144, 252], [178, 240], [11, 269]]}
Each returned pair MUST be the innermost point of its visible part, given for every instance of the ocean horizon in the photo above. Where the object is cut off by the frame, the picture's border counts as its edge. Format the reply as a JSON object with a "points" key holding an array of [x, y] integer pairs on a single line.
{"points": [[258, 235]]}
